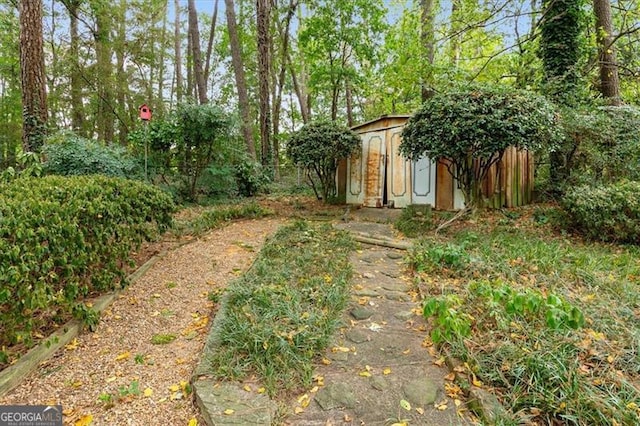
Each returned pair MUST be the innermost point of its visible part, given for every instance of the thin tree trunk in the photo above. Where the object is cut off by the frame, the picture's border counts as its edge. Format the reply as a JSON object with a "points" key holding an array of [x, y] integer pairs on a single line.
{"points": [[427, 35], [121, 83], [300, 92], [456, 36], [196, 53], [609, 81], [191, 88], [77, 116], [178, 52], [159, 105], [241, 85], [349, 100], [34, 92], [105, 119], [262, 27], [212, 34]]}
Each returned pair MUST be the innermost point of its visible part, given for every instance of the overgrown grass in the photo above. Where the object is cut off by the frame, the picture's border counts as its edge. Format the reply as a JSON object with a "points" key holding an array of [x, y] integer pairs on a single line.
{"points": [[281, 314], [548, 321], [214, 216]]}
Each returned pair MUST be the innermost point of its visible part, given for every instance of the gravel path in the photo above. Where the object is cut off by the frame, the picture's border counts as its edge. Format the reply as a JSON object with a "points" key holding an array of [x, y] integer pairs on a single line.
{"points": [[117, 376]]}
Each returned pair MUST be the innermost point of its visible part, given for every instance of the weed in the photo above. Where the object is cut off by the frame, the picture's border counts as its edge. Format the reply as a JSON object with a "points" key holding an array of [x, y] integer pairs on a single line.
{"points": [[132, 390], [163, 339], [139, 359], [171, 285], [415, 221]]}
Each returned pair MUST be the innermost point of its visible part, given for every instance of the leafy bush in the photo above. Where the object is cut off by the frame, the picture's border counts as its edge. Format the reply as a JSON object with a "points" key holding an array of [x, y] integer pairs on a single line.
{"points": [[473, 126], [608, 144], [318, 147], [607, 212], [67, 154], [250, 177], [431, 257], [62, 238]]}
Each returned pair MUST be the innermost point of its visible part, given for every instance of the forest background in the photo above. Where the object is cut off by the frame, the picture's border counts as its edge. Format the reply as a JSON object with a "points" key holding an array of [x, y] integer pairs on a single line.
{"points": [[266, 67]]}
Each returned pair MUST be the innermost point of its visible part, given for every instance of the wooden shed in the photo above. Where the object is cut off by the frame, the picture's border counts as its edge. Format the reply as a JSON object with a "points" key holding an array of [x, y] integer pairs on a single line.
{"points": [[380, 177]]}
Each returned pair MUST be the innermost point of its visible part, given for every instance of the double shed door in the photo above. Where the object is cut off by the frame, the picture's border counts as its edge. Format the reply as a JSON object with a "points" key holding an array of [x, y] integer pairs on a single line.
{"points": [[380, 175]]}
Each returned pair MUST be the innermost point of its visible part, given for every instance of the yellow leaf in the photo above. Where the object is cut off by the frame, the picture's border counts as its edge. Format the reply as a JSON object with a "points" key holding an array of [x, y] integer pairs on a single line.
{"points": [[314, 389], [228, 412], [339, 349], [76, 384], [457, 402], [298, 410], [406, 352], [610, 359], [420, 410], [364, 374], [386, 371], [193, 422], [632, 406], [439, 362], [174, 388], [247, 388], [262, 390], [84, 420], [123, 356], [347, 418], [400, 424], [450, 377], [148, 392], [442, 407], [111, 379], [326, 361], [405, 404], [180, 361], [73, 345], [475, 381], [183, 385], [358, 287], [304, 401]]}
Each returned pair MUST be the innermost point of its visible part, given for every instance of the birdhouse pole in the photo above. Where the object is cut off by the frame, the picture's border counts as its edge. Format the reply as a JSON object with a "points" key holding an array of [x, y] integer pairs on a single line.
{"points": [[145, 116]]}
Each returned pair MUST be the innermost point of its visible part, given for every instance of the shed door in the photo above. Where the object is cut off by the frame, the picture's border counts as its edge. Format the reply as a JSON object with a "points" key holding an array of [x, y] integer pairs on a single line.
{"points": [[423, 182], [374, 158], [399, 171]]}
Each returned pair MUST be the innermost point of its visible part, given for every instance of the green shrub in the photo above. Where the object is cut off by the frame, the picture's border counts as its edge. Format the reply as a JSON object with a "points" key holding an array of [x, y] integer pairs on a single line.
{"points": [[432, 256], [250, 177], [606, 213], [63, 238], [70, 155]]}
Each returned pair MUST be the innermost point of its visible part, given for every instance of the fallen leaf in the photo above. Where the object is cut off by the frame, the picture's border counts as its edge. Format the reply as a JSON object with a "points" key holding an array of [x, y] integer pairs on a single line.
{"points": [[84, 420], [400, 424], [450, 377], [420, 410], [364, 374], [174, 388], [386, 371], [228, 412], [314, 389], [457, 402], [262, 390], [439, 362], [475, 381], [405, 404], [123, 356], [73, 345], [148, 392], [326, 361], [193, 422], [406, 352], [347, 418], [247, 388], [298, 410], [339, 349], [442, 407], [111, 379]]}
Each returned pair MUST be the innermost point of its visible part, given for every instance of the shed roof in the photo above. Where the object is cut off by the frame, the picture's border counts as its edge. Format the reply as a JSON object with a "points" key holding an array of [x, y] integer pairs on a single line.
{"points": [[382, 122]]}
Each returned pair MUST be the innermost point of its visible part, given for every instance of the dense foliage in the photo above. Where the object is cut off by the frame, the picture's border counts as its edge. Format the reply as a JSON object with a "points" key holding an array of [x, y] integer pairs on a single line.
{"points": [[473, 126], [67, 154], [608, 212], [318, 147], [64, 238]]}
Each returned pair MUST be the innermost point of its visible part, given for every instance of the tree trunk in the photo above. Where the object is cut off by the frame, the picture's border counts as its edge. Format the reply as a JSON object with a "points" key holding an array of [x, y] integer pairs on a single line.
{"points": [[159, 105], [34, 94], [609, 82], [212, 34], [349, 99], [427, 36], [262, 27], [241, 85], [104, 74], [178, 53], [194, 35], [77, 113], [121, 83]]}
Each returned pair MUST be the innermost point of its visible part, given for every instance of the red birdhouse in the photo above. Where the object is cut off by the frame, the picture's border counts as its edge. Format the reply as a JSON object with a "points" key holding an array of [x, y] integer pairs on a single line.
{"points": [[145, 112]]}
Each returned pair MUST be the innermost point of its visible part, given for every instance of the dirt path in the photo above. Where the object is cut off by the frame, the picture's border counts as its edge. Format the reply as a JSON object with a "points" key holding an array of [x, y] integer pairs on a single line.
{"points": [[117, 376]]}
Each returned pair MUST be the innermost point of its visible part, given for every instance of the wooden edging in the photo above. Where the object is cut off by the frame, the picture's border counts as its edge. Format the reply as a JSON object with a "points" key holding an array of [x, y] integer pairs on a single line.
{"points": [[11, 376]]}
